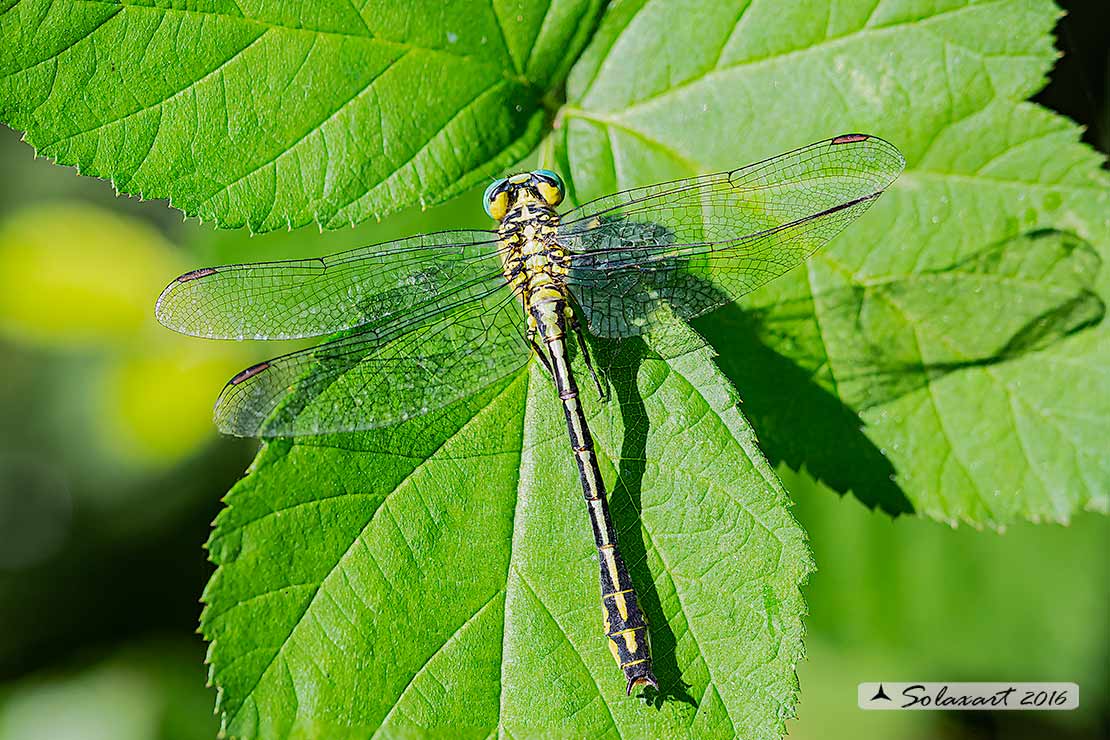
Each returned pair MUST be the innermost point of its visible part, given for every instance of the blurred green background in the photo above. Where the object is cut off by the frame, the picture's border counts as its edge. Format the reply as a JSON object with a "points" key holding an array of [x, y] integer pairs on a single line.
{"points": [[110, 474]]}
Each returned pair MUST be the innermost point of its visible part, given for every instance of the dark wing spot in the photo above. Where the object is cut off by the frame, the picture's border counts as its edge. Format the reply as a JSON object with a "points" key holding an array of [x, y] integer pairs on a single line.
{"points": [[203, 272], [250, 372], [850, 138]]}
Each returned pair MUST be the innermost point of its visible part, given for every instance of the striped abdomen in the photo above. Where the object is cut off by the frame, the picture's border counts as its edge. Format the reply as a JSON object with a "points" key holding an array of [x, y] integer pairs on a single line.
{"points": [[625, 624]]}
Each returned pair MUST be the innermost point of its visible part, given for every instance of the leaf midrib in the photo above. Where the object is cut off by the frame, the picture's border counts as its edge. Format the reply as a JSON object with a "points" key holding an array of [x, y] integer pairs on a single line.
{"points": [[517, 503]]}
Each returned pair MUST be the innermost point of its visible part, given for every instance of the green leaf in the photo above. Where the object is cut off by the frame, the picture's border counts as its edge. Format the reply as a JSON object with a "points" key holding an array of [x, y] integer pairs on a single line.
{"points": [[1000, 434], [281, 114], [452, 591], [450, 588]]}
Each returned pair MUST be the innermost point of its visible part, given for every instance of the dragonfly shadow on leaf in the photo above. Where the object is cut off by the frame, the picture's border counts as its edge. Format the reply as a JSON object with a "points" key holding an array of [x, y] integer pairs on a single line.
{"points": [[890, 336], [619, 362], [796, 420]]}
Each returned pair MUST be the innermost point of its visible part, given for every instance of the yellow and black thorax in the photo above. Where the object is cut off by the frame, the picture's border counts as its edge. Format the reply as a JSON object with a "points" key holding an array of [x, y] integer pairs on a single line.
{"points": [[533, 261]]}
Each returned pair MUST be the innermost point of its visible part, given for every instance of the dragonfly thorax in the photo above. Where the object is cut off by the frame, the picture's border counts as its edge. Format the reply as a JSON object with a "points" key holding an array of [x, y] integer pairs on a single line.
{"points": [[534, 263]]}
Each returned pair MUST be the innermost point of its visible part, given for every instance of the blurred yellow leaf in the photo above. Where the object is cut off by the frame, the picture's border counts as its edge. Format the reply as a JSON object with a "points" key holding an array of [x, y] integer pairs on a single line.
{"points": [[156, 407], [75, 277], [73, 274]]}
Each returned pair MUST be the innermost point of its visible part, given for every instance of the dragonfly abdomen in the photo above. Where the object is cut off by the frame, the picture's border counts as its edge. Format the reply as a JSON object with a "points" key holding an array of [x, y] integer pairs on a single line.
{"points": [[625, 623]]}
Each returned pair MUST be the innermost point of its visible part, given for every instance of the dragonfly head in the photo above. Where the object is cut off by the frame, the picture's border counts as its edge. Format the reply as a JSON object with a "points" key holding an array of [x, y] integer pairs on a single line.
{"points": [[538, 186]]}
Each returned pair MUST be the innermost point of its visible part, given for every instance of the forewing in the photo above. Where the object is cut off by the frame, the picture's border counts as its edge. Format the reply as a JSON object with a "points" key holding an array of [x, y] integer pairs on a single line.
{"points": [[316, 297], [376, 377], [699, 243]]}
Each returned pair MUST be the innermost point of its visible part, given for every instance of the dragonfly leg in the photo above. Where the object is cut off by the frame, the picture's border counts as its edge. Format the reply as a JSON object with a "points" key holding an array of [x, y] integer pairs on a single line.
{"points": [[602, 392], [539, 351]]}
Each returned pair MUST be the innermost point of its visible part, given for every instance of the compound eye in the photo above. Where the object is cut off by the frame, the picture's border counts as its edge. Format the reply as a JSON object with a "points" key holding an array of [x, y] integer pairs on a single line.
{"points": [[550, 187], [496, 203]]}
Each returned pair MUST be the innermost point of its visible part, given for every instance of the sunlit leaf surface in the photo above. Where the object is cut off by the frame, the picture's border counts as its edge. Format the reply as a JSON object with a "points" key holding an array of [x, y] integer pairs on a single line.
{"points": [[662, 93], [273, 114], [452, 589]]}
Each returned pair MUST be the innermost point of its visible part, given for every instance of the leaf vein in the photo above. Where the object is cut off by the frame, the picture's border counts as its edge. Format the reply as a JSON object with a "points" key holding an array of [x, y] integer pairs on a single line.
{"points": [[423, 147], [288, 148], [357, 539], [54, 56], [424, 666], [191, 84], [779, 56]]}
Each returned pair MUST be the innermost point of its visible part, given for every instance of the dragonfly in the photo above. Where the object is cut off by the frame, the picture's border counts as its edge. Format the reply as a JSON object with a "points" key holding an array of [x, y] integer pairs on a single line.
{"points": [[416, 324]]}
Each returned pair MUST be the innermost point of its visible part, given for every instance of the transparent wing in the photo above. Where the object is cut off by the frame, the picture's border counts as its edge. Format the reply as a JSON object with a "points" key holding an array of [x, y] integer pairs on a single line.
{"points": [[699, 243], [380, 375], [316, 297]]}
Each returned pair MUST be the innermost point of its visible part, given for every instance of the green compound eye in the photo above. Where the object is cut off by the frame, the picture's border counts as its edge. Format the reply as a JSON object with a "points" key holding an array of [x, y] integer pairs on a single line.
{"points": [[553, 176], [488, 194], [550, 186]]}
